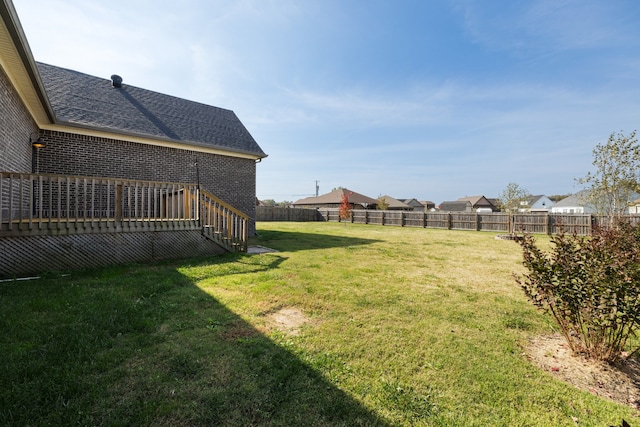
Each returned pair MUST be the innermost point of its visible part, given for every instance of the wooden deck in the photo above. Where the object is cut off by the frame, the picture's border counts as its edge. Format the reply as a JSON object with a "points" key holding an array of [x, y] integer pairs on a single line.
{"points": [[52, 205]]}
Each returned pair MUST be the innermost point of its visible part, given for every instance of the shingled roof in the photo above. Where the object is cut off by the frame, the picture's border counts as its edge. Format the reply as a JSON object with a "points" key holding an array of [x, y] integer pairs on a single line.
{"points": [[335, 197], [86, 101]]}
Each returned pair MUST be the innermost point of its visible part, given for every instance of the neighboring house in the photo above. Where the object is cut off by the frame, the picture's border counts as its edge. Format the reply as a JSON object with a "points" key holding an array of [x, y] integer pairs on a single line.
{"points": [[413, 203], [334, 200], [479, 202], [495, 202], [634, 207], [99, 127], [420, 206], [576, 203], [456, 206], [539, 203], [395, 204], [428, 205]]}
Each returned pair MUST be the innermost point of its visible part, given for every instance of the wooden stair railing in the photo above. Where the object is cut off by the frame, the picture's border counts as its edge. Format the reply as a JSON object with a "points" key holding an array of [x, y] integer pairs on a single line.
{"points": [[222, 223]]}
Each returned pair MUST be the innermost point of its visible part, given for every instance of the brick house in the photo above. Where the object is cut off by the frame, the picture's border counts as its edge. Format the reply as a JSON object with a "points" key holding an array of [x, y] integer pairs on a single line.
{"points": [[102, 127]]}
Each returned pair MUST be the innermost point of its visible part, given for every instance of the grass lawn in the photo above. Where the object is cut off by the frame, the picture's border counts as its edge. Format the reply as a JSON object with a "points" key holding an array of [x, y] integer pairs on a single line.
{"points": [[393, 327]]}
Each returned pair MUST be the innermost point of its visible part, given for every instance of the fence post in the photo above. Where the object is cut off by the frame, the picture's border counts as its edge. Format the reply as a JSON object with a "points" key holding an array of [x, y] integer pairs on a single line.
{"points": [[547, 224], [449, 220]]}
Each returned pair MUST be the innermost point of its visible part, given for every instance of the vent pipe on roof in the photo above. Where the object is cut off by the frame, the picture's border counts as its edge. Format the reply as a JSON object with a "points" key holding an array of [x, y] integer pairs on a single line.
{"points": [[116, 80]]}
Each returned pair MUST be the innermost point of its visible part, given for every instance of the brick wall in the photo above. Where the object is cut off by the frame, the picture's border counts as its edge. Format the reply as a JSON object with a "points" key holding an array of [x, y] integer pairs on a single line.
{"points": [[16, 125], [229, 178]]}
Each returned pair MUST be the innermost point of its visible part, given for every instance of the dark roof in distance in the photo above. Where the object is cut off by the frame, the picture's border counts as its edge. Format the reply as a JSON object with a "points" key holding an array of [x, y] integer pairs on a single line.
{"points": [[335, 197], [395, 203], [456, 206], [83, 100]]}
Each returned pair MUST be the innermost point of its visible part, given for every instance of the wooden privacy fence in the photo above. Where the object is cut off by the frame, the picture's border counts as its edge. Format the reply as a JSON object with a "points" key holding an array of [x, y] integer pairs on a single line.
{"points": [[538, 223], [279, 213], [44, 204]]}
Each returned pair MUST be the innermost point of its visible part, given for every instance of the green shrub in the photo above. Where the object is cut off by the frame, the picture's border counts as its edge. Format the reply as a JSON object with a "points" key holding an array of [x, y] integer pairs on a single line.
{"points": [[591, 286]]}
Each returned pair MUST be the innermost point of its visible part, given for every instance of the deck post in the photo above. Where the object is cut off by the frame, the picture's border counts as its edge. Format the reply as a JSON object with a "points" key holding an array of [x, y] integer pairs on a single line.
{"points": [[118, 202]]}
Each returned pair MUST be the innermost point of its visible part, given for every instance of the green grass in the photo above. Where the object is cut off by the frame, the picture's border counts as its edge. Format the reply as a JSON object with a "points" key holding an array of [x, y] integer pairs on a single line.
{"points": [[408, 327]]}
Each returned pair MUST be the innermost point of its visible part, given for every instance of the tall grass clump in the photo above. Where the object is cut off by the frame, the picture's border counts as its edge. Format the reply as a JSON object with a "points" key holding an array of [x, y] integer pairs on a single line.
{"points": [[591, 286]]}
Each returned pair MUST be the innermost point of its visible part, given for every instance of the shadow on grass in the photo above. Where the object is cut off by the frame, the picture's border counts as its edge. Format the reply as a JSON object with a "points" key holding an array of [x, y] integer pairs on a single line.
{"points": [[296, 241], [143, 345]]}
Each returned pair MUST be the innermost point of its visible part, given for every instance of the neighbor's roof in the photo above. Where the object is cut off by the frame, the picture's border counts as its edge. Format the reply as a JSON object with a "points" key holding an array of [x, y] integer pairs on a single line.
{"points": [[395, 203], [455, 206], [85, 101], [335, 197], [581, 198], [475, 200]]}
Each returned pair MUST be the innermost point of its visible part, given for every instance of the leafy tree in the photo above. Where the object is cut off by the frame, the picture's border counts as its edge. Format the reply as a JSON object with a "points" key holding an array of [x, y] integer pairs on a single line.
{"points": [[512, 196], [382, 204], [269, 202], [591, 286], [345, 207], [616, 179]]}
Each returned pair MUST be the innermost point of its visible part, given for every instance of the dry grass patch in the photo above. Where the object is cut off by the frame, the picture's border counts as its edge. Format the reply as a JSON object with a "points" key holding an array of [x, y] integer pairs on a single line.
{"points": [[288, 320]]}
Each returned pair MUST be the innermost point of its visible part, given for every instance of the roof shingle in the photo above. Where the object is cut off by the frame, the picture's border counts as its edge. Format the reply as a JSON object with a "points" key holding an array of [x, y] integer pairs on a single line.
{"points": [[83, 100]]}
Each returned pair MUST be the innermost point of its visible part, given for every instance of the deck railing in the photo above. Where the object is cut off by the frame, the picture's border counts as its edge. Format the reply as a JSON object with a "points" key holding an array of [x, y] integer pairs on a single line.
{"points": [[223, 223], [45, 204]]}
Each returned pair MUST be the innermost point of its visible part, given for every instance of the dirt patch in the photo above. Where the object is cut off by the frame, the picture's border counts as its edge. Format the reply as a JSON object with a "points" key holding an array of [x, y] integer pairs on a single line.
{"points": [[619, 382], [288, 319]]}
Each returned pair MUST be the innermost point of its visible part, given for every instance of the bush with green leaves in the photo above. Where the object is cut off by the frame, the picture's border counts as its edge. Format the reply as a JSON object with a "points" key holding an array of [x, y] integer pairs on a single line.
{"points": [[591, 286]]}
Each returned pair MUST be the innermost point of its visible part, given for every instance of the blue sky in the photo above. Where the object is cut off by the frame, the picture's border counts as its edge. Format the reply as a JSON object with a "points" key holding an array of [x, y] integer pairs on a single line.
{"points": [[426, 99]]}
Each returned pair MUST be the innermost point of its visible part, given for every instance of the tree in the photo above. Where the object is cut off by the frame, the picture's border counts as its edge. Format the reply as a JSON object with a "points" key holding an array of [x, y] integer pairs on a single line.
{"points": [[269, 202], [382, 204], [345, 207], [512, 197], [616, 180]]}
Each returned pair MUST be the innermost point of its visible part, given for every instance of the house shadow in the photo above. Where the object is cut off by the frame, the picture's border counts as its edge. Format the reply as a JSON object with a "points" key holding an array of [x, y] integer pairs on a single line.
{"points": [[297, 241], [140, 345]]}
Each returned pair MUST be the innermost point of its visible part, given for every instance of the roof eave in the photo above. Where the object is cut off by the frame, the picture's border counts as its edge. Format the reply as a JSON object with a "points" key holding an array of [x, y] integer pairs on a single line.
{"points": [[24, 63], [88, 130]]}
